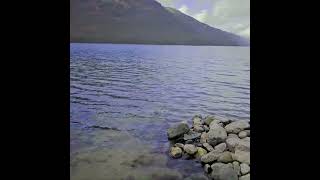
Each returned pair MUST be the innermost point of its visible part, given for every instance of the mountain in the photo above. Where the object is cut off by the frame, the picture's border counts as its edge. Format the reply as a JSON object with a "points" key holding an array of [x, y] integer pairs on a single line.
{"points": [[141, 22]]}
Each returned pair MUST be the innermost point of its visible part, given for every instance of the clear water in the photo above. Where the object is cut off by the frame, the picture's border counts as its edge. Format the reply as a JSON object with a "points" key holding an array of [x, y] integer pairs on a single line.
{"points": [[141, 90]]}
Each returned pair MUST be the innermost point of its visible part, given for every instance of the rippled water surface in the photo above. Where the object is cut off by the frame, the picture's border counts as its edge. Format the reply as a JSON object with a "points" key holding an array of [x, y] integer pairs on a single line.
{"points": [[139, 91]]}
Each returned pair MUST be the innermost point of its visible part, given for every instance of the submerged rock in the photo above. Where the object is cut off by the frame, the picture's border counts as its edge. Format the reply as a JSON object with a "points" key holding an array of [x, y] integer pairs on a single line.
{"points": [[216, 134], [222, 171], [177, 131], [175, 152], [190, 149], [237, 126]]}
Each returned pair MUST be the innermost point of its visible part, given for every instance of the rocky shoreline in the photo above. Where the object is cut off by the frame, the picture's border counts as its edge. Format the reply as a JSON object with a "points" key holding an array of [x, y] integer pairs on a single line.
{"points": [[221, 145]]}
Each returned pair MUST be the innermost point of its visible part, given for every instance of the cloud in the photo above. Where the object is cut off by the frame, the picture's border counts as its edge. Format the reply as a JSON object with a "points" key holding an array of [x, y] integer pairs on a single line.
{"points": [[184, 9], [202, 16]]}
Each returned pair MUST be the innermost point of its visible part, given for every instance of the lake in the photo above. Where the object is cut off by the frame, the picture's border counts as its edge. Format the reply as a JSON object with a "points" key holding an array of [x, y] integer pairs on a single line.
{"points": [[124, 97]]}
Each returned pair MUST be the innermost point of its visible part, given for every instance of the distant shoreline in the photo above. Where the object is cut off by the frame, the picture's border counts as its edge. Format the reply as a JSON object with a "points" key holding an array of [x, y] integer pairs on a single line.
{"points": [[154, 44]]}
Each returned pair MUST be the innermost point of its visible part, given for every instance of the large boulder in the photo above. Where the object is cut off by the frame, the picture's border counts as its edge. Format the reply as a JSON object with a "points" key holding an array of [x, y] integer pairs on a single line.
{"points": [[216, 135], [175, 152], [177, 131], [210, 157], [222, 171], [237, 126], [225, 157], [245, 168], [190, 149]]}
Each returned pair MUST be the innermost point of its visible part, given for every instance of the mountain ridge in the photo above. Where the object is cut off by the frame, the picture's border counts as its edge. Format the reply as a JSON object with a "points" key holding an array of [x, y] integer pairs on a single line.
{"points": [[142, 22]]}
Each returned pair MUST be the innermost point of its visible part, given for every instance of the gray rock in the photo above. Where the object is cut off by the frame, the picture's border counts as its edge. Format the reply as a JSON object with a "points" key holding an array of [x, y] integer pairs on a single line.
{"points": [[190, 149], [242, 134], [210, 157], [236, 167], [241, 156], [189, 142], [197, 120], [175, 152], [221, 147], [207, 168], [213, 123], [208, 120], [208, 146], [203, 137], [177, 131], [198, 128], [245, 177], [237, 126], [180, 145], [232, 143], [216, 135], [233, 136], [197, 176], [245, 168], [222, 171], [225, 157], [191, 135]]}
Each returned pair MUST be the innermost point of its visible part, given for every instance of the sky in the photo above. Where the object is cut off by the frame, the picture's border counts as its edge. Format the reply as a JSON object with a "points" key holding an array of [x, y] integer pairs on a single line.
{"points": [[229, 15]]}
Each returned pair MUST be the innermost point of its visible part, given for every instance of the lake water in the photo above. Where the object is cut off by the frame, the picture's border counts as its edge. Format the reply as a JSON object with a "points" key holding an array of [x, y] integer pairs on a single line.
{"points": [[139, 91]]}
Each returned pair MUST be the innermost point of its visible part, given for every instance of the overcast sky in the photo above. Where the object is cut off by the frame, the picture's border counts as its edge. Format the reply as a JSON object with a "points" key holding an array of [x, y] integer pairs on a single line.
{"points": [[229, 15]]}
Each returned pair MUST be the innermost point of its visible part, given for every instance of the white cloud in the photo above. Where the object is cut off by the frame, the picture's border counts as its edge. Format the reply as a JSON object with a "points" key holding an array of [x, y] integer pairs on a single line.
{"points": [[202, 16], [184, 9]]}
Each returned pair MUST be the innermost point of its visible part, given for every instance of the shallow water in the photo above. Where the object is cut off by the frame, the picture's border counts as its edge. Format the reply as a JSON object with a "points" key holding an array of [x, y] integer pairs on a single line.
{"points": [[140, 90]]}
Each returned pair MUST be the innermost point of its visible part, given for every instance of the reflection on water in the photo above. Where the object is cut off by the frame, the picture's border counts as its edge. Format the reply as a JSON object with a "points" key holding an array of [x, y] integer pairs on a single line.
{"points": [[140, 90]]}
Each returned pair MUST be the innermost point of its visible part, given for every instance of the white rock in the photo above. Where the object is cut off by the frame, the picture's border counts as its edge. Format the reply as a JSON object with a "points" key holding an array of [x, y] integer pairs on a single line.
{"points": [[242, 134], [241, 156], [245, 168], [225, 157], [175, 152], [236, 167]]}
